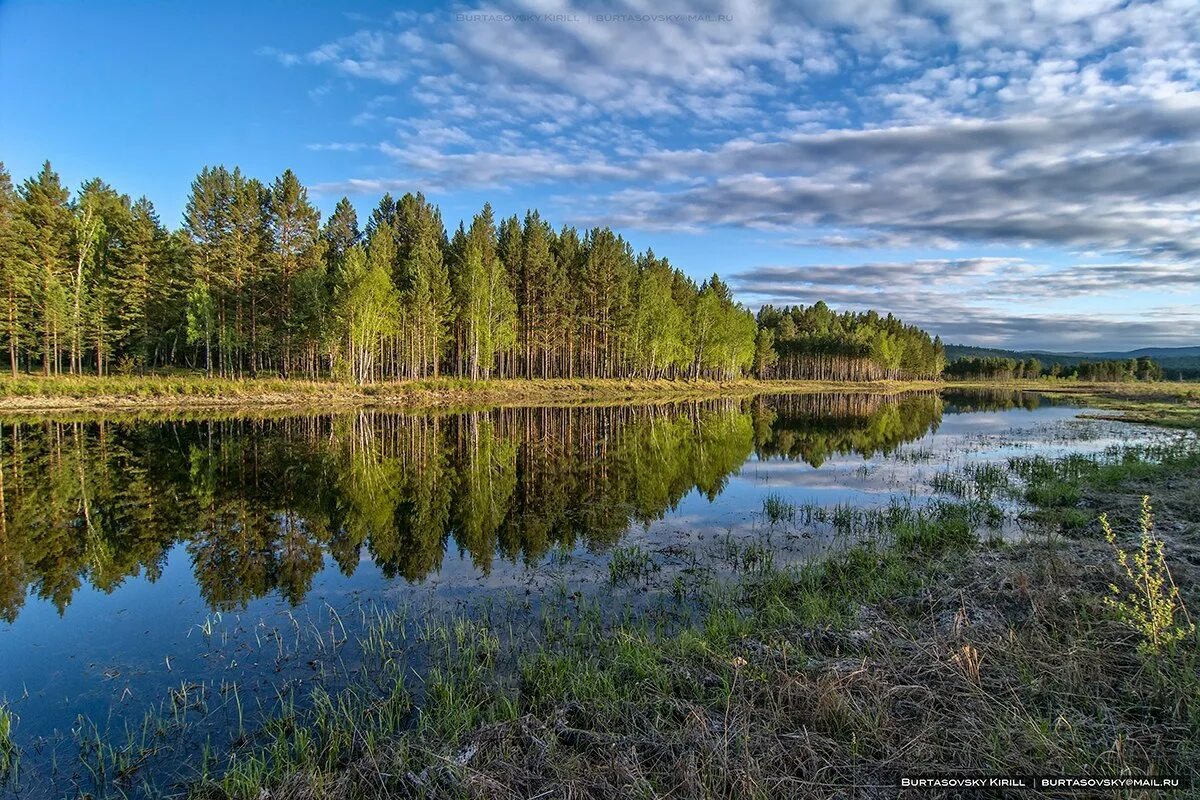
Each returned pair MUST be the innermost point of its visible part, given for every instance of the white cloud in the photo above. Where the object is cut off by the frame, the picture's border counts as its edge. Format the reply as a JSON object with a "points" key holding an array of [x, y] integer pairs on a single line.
{"points": [[1070, 125]]}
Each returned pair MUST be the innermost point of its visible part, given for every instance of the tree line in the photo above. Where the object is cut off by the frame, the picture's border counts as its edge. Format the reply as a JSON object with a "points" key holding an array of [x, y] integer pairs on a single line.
{"points": [[253, 282], [996, 368], [817, 343]]}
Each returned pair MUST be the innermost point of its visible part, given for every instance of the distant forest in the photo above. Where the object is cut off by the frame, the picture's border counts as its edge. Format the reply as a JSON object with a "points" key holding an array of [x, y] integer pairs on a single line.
{"points": [[253, 283], [1111, 370], [1173, 363]]}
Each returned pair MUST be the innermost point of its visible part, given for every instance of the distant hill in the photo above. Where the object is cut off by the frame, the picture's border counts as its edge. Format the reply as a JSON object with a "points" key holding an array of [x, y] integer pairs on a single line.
{"points": [[1175, 361]]}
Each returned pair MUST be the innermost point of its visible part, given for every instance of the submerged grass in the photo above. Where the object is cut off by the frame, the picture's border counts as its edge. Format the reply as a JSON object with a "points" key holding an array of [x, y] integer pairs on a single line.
{"points": [[10, 757], [586, 688], [630, 564], [777, 509], [916, 649]]}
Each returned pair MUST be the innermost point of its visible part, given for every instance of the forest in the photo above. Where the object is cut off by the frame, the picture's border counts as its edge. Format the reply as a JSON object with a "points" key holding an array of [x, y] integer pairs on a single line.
{"points": [[254, 283], [996, 368], [817, 343]]}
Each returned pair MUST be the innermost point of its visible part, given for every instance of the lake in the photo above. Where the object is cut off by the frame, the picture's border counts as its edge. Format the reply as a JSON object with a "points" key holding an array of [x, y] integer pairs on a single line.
{"points": [[206, 567]]}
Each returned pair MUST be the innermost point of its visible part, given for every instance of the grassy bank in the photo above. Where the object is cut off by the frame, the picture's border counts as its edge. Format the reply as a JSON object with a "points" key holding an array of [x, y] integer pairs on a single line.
{"points": [[926, 646], [192, 391], [1166, 403]]}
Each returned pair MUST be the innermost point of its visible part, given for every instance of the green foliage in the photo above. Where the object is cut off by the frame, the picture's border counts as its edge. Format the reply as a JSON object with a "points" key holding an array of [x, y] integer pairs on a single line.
{"points": [[628, 564], [366, 309], [199, 314], [777, 509], [1149, 603], [253, 283], [817, 343], [10, 757], [1001, 368]]}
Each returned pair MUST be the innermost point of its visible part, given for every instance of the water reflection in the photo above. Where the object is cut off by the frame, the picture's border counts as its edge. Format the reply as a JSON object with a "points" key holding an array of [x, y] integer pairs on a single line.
{"points": [[963, 401], [261, 505]]}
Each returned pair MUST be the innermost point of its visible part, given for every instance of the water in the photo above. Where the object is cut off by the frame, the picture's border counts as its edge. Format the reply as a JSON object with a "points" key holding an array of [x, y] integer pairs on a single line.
{"points": [[145, 559]]}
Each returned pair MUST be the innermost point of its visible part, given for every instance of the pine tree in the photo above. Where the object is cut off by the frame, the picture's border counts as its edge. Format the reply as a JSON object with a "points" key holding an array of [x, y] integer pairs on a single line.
{"points": [[426, 297], [564, 302], [144, 241], [538, 268], [510, 251], [95, 320], [208, 219], [252, 281], [14, 271], [340, 233], [295, 226], [46, 227]]}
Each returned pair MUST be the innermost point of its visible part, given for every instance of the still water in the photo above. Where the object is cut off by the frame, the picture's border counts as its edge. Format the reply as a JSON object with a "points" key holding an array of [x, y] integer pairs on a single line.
{"points": [[142, 557]]}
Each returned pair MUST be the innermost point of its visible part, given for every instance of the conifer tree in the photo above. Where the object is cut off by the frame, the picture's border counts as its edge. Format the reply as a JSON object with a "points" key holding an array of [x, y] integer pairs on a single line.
{"points": [[46, 228], [144, 242], [295, 229], [14, 272]]}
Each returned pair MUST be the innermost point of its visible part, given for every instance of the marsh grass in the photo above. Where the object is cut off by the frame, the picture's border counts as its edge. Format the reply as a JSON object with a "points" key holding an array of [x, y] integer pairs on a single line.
{"points": [[912, 647], [10, 756], [779, 510], [630, 564], [182, 389], [588, 681]]}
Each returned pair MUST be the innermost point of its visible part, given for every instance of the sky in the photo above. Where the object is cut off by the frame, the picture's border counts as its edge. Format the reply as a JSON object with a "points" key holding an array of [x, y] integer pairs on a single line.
{"points": [[1020, 174]]}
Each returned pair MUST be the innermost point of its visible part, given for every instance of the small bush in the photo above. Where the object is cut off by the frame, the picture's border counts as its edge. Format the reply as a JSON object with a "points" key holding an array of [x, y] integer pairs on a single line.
{"points": [[1150, 603]]}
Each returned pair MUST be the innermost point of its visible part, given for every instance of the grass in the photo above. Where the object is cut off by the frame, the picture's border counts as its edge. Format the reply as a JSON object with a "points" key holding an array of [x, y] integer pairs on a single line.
{"points": [[776, 509], [1168, 404], [630, 564], [184, 389], [774, 677], [913, 648], [585, 688], [916, 649], [10, 757]]}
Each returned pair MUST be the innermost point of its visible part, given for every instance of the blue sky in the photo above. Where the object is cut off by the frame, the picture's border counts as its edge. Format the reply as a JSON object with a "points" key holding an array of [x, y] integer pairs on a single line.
{"points": [[1021, 174]]}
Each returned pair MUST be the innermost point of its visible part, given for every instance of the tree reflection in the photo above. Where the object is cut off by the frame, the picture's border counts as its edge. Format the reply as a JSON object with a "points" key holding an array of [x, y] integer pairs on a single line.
{"points": [[816, 427], [263, 505]]}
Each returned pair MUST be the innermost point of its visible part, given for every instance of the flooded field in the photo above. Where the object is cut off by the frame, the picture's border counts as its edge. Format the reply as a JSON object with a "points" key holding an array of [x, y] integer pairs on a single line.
{"points": [[166, 585]]}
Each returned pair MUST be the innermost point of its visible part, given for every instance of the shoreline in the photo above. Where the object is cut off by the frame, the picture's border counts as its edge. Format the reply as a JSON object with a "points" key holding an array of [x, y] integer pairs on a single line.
{"points": [[133, 394], [34, 395]]}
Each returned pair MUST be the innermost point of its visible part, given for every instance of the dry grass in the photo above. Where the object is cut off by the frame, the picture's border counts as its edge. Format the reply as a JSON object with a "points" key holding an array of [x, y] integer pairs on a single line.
{"points": [[38, 394]]}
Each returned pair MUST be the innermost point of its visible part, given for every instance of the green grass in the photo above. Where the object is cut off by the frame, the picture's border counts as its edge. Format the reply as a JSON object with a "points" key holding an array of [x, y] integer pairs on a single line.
{"points": [[777, 510], [10, 757], [578, 660], [630, 564], [182, 384], [1059, 485]]}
